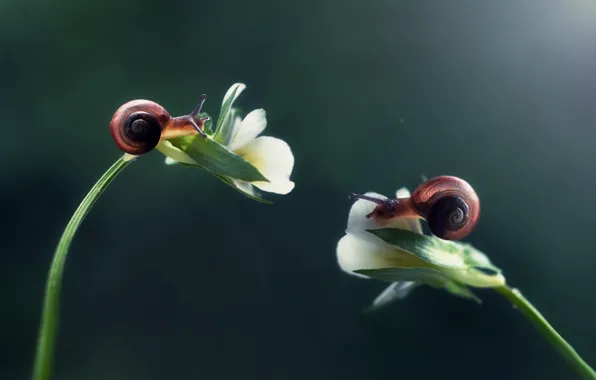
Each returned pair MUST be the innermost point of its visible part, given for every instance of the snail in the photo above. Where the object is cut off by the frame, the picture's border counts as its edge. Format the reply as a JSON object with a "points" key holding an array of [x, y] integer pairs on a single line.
{"points": [[449, 205], [139, 125]]}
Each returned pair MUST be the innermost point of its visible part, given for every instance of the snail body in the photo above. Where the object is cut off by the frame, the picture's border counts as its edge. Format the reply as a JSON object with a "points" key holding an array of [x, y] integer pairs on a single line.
{"points": [[449, 205], [139, 125]]}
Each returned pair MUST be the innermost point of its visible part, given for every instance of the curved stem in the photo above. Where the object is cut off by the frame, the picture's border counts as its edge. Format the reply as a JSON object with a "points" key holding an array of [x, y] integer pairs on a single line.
{"points": [[541, 324], [47, 334]]}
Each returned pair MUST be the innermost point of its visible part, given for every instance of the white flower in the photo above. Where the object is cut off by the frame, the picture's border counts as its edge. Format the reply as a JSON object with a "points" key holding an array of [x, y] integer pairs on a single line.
{"points": [[271, 156], [355, 252], [451, 265], [359, 249]]}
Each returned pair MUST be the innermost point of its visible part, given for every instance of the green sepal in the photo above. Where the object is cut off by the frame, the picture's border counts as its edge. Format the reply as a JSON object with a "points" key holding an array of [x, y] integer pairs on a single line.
{"points": [[429, 277], [221, 134], [439, 252], [227, 181], [255, 197], [224, 135], [216, 159], [460, 290]]}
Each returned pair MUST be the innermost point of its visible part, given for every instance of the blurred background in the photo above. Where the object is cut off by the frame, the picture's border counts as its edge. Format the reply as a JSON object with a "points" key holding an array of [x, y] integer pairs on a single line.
{"points": [[370, 96]]}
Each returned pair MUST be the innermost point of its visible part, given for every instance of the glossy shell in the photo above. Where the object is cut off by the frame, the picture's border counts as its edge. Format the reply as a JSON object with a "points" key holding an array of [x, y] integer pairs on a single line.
{"points": [[450, 206], [136, 126]]}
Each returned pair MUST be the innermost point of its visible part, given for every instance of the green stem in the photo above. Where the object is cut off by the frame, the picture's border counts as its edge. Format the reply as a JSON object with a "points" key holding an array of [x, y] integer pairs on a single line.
{"points": [[541, 324], [47, 334]]}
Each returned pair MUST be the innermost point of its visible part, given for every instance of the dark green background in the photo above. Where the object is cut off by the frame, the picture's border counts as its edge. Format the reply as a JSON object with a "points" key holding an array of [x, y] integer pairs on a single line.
{"points": [[176, 276]]}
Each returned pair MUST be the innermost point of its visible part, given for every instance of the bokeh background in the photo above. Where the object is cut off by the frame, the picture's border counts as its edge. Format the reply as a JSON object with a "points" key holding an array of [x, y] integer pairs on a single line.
{"points": [[176, 276]]}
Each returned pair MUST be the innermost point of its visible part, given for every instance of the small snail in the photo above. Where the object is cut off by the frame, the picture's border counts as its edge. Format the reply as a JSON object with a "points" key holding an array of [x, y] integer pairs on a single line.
{"points": [[449, 205], [139, 125]]}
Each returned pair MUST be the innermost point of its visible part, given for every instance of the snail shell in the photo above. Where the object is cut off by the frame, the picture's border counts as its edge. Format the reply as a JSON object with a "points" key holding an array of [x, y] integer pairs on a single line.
{"points": [[449, 204], [137, 125]]}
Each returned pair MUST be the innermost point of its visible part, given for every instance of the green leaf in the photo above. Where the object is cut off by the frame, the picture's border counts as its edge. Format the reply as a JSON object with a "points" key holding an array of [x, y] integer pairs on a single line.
{"points": [[428, 276], [228, 100], [217, 159], [225, 180], [457, 261], [432, 250], [443, 253]]}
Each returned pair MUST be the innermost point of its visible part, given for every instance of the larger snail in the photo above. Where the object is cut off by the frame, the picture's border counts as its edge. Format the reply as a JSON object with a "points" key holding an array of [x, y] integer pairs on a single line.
{"points": [[139, 125], [449, 205]]}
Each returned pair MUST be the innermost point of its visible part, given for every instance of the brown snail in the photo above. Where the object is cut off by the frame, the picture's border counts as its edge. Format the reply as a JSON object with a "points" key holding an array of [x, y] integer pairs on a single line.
{"points": [[139, 125], [449, 205]]}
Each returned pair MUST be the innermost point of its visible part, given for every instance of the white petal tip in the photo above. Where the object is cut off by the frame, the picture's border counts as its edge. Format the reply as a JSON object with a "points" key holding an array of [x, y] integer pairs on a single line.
{"points": [[170, 161], [274, 159], [276, 187], [348, 257], [357, 219], [356, 252], [396, 291], [239, 87], [247, 131]]}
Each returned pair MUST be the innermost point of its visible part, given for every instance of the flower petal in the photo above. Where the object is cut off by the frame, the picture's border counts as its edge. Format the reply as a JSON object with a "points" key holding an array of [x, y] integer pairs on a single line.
{"points": [[174, 153], [278, 187], [355, 253], [274, 159], [225, 118], [396, 291], [235, 89], [253, 124], [357, 220]]}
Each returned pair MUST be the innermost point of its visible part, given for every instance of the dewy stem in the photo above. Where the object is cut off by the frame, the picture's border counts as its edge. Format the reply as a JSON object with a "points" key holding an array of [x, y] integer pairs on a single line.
{"points": [[49, 320], [541, 324]]}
